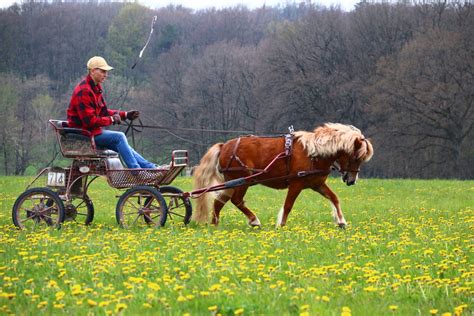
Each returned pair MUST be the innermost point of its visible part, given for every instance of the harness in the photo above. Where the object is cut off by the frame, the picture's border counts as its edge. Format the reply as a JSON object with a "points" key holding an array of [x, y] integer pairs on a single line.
{"points": [[285, 154], [243, 167]]}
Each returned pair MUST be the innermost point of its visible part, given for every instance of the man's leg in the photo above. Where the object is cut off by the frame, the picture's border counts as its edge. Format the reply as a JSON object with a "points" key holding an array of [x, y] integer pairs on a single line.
{"points": [[117, 141], [142, 161]]}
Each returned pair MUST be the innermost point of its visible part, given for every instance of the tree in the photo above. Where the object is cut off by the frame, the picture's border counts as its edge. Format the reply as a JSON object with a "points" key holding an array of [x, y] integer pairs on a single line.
{"points": [[308, 71], [8, 129], [424, 98], [220, 91], [127, 35]]}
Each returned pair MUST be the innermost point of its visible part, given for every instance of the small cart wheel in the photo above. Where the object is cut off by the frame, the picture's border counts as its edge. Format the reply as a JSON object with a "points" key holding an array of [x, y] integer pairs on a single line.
{"points": [[80, 210], [37, 207], [141, 205], [179, 207]]}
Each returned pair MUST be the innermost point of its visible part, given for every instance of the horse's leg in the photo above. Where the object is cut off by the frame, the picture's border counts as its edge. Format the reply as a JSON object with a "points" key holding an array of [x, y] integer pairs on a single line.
{"points": [[221, 199], [293, 192], [238, 200], [325, 191]]}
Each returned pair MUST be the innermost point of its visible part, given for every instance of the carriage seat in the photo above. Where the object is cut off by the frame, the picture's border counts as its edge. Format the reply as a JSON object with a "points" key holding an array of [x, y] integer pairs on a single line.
{"points": [[78, 143], [113, 164]]}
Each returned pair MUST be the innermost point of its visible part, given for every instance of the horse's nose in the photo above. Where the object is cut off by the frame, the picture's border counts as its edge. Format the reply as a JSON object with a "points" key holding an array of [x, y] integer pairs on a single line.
{"points": [[350, 182], [345, 177]]}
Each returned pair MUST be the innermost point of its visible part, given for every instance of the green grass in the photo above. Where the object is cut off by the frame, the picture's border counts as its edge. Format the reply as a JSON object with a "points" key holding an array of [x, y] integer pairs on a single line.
{"points": [[407, 251]]}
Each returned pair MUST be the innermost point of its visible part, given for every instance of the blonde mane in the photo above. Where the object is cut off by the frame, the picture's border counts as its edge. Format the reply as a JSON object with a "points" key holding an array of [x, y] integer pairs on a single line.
{"points": [[331, 138]]}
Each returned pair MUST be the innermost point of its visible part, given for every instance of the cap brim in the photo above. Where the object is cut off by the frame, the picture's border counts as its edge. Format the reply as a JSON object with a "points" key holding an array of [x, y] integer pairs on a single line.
{"points": [[107, 68]]}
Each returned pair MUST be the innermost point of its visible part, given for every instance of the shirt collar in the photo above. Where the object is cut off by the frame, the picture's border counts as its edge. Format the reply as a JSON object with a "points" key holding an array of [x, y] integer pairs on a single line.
{"points": [[97, 88]]}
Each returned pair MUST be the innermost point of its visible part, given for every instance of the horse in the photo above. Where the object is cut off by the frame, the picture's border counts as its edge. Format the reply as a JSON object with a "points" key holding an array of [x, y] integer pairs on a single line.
{"points": [[296, 161]]}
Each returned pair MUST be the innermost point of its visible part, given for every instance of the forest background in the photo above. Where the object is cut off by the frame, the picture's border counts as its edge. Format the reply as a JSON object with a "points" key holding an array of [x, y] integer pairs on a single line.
{"points": [[401, 72]]}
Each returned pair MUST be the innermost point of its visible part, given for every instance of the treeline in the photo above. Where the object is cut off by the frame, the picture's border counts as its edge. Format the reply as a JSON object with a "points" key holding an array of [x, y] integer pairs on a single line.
{"points": [[402, 73]]}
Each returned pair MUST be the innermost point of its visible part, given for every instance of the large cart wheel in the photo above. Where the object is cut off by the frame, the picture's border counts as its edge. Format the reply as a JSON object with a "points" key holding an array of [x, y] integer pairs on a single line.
{"points": [[179, 207], [38, 207], [80, 210], [141, 205]]}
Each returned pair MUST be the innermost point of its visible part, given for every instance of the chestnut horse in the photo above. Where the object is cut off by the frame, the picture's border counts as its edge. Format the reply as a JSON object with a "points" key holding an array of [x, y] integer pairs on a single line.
{"points": [[298, 161]]}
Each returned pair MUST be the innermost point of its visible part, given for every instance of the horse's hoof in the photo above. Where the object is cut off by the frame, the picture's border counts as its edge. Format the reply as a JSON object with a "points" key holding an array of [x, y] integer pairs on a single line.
{"points": [[255, 222], [342, 225]]}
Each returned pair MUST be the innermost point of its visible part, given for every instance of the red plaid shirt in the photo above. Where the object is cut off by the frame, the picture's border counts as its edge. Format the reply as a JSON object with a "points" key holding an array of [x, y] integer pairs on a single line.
{"points": [[88, 110]]}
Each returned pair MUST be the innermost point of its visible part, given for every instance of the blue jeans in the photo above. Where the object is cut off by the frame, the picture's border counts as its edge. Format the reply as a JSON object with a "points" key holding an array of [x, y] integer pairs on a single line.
{"points": [[117, 141]]}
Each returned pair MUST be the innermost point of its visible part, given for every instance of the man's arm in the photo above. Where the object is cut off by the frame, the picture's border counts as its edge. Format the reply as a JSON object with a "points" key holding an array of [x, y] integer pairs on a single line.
{"points": [[123, 114], [87, 113]]}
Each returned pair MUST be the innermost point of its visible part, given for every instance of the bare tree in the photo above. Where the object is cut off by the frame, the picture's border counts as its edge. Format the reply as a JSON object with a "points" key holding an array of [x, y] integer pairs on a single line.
{"points": [[424, 97]]}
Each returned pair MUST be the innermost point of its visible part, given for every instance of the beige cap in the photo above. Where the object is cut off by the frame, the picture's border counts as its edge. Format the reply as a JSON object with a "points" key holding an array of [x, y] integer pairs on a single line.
{"points": [[98, 62]]}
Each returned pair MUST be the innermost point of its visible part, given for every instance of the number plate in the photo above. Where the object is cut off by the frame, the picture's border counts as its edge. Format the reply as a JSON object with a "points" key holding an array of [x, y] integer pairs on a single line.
{"points": [[56, 179]]}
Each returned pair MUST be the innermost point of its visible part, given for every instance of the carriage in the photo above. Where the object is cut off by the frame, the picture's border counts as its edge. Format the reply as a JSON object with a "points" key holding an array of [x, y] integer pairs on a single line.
{"points": [[296, 161], [149, 199]]}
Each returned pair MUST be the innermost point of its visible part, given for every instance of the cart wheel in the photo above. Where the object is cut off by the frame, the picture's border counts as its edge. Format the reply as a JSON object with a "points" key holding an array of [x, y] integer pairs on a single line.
{"points": [[37, 207], [80, 210], [179, 207], [141, 205]]}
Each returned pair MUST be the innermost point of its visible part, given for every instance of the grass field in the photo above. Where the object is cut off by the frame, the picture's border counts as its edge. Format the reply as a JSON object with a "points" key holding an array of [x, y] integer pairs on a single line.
{"points": [[408, 250]]}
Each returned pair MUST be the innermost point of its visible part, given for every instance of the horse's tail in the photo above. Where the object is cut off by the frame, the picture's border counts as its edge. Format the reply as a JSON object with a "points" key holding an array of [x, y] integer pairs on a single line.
{"points": [[206, 174]]}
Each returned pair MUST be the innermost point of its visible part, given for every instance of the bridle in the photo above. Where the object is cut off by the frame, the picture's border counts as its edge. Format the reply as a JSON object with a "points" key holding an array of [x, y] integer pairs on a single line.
{"points": [[337, 166]]}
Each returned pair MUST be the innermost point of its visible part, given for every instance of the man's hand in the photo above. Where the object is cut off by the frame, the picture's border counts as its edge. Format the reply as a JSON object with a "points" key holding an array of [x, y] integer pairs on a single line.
{"points": [[116, 120], [133, 114]]}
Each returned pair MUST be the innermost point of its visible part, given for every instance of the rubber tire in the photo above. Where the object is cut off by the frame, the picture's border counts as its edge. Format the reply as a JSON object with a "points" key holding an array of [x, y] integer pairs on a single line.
{"points": [[186, 201], [50, 195], [149, 191]]}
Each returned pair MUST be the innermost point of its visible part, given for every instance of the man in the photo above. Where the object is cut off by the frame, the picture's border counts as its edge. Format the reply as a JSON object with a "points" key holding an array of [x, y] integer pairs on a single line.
{"points": [[88, 110]]}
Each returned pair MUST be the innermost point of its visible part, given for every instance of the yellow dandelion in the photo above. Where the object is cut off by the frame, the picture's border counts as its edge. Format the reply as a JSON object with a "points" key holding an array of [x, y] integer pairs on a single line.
{"points": [[154, 286], [239, 311], [60, 295], [433, 311], [224, 279], [59, 305], [42, 304], [346, 309], [91, 303], [212, 308], [304, 307], [460, 308], [181, 298], [27, 292], [120, 306], [393, 307], [325, 298]]}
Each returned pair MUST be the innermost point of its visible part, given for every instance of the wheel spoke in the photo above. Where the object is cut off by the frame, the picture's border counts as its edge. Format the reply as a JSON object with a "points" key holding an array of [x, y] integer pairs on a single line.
{"points": [[149, 219], [132, 204], [136, 219], [79, 205], [174, 213], [28, 218], [47, 209]]}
